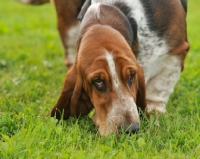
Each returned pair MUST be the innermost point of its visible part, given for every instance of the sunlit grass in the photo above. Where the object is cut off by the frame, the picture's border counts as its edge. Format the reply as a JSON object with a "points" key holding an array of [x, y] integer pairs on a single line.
{"points": [[32, 73]]}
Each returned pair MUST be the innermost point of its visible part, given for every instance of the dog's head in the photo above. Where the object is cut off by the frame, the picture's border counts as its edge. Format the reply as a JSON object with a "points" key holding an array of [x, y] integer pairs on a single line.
{"points": [[105, 77]]}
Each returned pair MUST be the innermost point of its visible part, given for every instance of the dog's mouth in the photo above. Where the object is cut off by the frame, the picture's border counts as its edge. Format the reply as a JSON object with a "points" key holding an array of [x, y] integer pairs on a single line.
{"points": [[106, 129]]}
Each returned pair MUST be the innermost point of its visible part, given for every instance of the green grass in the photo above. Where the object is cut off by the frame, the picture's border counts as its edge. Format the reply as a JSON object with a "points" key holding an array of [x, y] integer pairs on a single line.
{"points": [[32, 73]]}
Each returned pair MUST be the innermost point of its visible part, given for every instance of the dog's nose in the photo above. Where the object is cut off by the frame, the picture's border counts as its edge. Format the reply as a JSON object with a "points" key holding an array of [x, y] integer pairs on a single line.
{"points": [[128, 129]]}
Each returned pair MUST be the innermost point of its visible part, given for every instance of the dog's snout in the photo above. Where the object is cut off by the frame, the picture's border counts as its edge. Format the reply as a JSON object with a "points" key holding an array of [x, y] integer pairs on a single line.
{"points": [[130, 129]]}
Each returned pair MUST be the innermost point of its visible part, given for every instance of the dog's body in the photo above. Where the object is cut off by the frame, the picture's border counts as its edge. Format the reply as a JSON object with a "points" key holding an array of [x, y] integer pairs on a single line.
{"points": [[106, 75], [156, 34], [160, 44]]}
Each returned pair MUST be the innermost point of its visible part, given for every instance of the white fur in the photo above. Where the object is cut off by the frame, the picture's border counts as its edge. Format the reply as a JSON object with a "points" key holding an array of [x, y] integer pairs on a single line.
{"points": [[113, 72], [94, 9], [124, 104], [71, 42], [161, 69], [160, 86], [103, 1]]}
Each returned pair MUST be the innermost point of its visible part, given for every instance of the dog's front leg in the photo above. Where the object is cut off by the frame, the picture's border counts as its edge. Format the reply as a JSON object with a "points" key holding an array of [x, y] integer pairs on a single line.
{"points": [[68, 26], [160, 84]]}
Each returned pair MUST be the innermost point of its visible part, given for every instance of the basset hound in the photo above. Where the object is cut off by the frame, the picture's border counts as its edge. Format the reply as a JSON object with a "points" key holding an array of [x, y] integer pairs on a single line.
{"points": [[130, 55]]}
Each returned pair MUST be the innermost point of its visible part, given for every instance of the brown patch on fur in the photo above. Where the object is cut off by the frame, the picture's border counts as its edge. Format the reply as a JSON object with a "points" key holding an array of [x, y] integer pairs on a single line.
{"points": [[141, 93], [177, 32], [73, 100], [168, 18]]}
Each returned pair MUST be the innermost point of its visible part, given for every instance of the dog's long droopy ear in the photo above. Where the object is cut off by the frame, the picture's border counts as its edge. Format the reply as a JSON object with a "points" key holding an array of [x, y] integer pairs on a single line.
{"points": [[84, 9], [141, 92], [73, 100]]}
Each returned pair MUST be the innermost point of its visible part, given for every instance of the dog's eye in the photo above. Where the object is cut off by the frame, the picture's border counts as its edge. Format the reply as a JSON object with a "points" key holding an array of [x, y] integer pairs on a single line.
{"points": [[131, 79], [99, 84]]}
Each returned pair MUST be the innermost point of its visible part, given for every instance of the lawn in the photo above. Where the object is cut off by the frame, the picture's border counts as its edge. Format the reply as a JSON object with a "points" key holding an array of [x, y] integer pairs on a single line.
{"points": [[32, 73]]}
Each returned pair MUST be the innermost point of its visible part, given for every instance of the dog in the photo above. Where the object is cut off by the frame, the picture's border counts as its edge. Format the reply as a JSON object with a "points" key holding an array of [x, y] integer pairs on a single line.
{"points": [[130, 55], [150, 37]]}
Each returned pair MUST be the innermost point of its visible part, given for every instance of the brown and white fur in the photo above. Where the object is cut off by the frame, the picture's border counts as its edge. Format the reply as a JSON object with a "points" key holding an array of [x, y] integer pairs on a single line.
{"points": [[105, 76], [113, 35]]}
